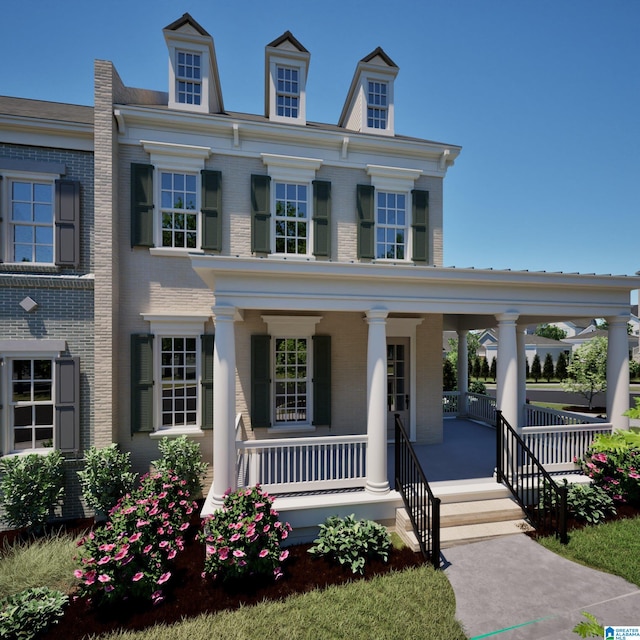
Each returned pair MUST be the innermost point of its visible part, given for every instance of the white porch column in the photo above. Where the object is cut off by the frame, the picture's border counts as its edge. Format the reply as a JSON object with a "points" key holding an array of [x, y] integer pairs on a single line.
{"points": [[618, 372], [522, 374], [377, 481], [224, 404], [507, 368], [463, 371]]}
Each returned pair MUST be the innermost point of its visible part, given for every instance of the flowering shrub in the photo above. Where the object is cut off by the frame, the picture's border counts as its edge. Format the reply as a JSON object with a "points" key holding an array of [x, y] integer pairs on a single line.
{"points": [[182, 456], [244, 537], [612, 461], [129, 557]]}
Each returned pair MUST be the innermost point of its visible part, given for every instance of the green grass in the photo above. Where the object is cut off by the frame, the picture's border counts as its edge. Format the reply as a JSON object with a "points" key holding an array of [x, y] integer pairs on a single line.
{"points": [[417, 603], [613, 547], [46, 561]]}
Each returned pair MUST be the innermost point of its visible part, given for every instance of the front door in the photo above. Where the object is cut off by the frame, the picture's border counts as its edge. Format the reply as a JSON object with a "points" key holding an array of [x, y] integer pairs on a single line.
{"points": [[397, 383]]}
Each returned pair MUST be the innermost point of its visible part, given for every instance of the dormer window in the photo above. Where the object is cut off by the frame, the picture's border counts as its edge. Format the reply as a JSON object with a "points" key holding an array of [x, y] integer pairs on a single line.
{"points": [[194, 83], [286, 65], [288, 92], [377, 105], [188, 77]]}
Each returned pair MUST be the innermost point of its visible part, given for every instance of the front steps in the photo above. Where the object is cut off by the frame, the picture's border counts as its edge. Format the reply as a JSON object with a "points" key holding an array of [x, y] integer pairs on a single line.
{"points": [[470, 511]]}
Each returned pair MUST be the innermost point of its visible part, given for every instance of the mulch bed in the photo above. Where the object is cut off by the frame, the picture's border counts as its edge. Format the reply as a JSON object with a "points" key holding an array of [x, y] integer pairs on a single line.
{"points": [[189, 595]]}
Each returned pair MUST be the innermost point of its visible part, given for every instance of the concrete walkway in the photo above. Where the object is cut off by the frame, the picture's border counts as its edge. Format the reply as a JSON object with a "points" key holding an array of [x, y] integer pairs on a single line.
{"points": [[514, 589]]}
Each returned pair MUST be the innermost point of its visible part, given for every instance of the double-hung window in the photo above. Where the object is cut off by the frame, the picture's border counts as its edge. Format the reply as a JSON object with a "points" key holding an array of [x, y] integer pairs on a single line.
{"points": [[31, 209], [377, 104], [179, 375], [287, 91], [291, 375], [188, 77], [291, 218], [391, 225], [179, 210]]}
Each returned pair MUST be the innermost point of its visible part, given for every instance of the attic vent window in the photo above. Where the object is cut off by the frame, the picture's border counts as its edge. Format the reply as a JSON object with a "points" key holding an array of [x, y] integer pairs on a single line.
{"points": [[377, 105], [188, 77], [288, 92]]}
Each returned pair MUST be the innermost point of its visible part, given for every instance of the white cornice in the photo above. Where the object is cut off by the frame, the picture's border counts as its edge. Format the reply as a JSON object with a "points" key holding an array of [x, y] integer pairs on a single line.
{"points": [[54, 133]]}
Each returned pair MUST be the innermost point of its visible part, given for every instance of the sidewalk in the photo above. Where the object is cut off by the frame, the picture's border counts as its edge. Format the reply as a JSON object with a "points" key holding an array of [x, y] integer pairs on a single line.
{"points": [[514, 589]]}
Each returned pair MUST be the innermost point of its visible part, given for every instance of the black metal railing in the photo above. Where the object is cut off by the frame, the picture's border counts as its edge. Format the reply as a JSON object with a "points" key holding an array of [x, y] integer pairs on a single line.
{"points": [[421, 505], [539, 495]]}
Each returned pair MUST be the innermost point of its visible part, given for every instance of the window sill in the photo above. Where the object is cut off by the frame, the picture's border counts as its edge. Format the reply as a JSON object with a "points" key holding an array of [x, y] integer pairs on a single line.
{"points": [[43, 451], [293, 428], [176, 432], [170, 252]]}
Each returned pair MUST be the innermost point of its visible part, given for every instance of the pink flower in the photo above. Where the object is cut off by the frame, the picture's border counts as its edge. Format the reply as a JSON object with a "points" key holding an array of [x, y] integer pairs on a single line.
{"points": [[78, 573], [184, 526], [138, 576], [234, 537], [142, 523], [164, 577], [157, 597], [284, 555], [135, 537], [223, 553], [172, 554], [121, 554], [266, 528], [104, 560], [103, 577], [164, 543], [147, 549], [238, 553], [107, 547], [264, 553]]}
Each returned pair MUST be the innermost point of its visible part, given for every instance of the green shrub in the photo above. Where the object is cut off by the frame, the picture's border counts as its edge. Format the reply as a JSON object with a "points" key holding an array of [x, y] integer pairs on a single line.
{"points": [[243, 538], [589, 503], [475, 386], [182, 456], [30, 487], [106, 477], [351, 542], [28, 613], [589, 628]]}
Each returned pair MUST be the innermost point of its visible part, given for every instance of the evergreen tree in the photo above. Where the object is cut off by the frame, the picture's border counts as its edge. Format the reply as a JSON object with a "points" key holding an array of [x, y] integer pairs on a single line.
{"points": [[449, 382], [561, 367], [527, 369], [493, 368], [484, 368], [536, 368], [477, 369], [547, 369]]}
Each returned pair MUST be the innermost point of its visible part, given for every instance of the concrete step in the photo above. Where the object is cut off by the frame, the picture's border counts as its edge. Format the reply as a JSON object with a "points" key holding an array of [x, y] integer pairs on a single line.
{"points": [[454, 514], [452, 536], [469, 490]]}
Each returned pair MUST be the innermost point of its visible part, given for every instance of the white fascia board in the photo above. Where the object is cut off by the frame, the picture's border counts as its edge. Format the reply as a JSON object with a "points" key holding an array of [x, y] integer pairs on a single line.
{"points": [[247, 138], [269, 284], [54, 133]]}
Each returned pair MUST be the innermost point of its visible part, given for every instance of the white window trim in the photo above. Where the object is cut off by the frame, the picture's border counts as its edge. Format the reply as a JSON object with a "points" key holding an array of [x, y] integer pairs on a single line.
{"points": [[25, 350], [372, 76], [395, 180], [292, 170], [175, 326], [293, 61], [292, 327], [6, 227], [203, 51], [157, 227]]}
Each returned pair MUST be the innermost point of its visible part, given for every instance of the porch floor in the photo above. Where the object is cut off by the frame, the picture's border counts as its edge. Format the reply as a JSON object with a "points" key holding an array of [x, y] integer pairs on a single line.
{"points": [[468, 451]]}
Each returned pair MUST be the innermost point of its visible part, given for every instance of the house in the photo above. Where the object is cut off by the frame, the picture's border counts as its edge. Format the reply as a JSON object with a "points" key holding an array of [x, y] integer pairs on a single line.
{"points": [[534, 346], [274, 287], [46, 280]]}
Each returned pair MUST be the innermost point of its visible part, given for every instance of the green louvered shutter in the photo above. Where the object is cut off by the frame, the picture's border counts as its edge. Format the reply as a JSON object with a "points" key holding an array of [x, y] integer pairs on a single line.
{"points": [[321, 218], [141, 205], [67, 221], [420, 225], [207, 343], [322, 380], [366, 221], [212, 210], [67, 404], [260, 381], [141, 382], [260, 214]]}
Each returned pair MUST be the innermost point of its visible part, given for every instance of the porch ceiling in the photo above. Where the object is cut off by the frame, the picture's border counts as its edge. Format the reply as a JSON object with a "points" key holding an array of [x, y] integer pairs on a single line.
{"points": [[468, 298]]}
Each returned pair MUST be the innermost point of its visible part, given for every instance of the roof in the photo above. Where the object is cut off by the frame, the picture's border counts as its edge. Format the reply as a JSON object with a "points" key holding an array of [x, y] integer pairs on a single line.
{"points": [[43, 110], [379, 51], [186, 18], [542, 341], [287, 35]]}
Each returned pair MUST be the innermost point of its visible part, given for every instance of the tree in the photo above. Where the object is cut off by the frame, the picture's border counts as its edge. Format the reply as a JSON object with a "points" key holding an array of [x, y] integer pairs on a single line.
{"points": [[536, 369], [561, 367], [550, 331], [588, 369], [547, 368], [484, 369], [493, 369], [449, 382], [477, 367], [473, 344]]}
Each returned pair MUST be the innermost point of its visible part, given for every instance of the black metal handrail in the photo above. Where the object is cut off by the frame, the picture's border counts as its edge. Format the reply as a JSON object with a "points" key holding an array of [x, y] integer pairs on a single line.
{"points": [[421, 505], [539, 495]]}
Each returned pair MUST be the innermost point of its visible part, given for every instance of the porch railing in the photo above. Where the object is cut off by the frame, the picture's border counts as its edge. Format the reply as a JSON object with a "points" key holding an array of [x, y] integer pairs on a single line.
{"points": [[543, 500], [481, 407], [557, 447], [421, 505], [288, 465], [545, 417]]}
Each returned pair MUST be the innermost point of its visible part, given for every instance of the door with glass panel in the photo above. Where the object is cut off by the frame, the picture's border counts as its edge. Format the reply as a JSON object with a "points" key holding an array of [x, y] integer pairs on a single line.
{"points": [[397, 383]]}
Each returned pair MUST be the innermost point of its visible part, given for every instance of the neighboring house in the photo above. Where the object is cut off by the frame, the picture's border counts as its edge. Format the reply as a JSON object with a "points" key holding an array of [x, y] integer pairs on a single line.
{"points": [[534, 346], [46, 280], [593, 332], [265, 278]]}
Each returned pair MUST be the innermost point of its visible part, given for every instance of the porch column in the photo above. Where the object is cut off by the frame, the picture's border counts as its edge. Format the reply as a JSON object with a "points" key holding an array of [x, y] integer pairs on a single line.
{"points": [[463, 371], [507, 368], [377, 481], [522, 374], [224, 404], [618, 372]]}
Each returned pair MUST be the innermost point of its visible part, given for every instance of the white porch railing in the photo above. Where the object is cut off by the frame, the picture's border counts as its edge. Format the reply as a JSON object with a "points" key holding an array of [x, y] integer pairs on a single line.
{"points": [[287, 465], [450, 403], [544, 417], [557, 446], [481, 407]]}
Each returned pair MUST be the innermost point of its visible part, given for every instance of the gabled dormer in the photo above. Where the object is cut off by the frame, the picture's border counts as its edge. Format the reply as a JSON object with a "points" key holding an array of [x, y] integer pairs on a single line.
{"points": [[286, 68], [194, 83], [369, 107]]}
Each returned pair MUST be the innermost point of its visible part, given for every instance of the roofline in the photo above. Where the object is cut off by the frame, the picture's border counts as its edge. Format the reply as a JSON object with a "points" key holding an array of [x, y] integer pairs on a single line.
{"points": [[287, 35], [187, 18]]}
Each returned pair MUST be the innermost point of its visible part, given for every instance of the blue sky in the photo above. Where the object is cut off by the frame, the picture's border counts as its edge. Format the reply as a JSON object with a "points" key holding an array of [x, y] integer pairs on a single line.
{"points": [[543, 96]]}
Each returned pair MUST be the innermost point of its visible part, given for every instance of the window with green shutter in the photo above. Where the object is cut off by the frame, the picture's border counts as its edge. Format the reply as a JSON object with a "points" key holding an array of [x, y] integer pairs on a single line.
{"points": [[420, 225], [141, 205], [366, 221], [321, 218], [207, 345], [322, 380], [211, 210], [141, 382], [260, 381], [260, 214]]}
